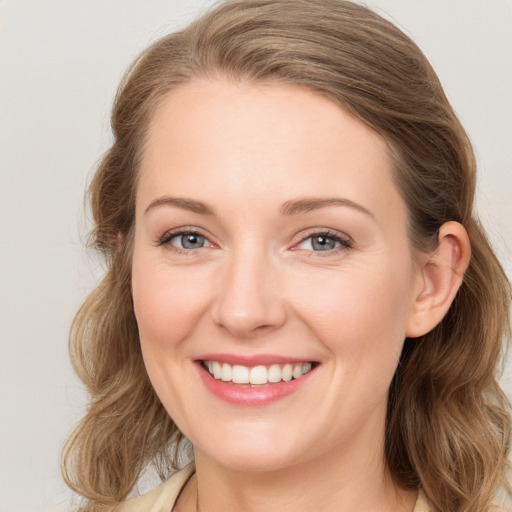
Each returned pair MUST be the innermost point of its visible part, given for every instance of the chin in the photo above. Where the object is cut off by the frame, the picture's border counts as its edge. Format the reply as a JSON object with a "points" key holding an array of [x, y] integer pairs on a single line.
{"points": [[253, 453], [255, 462]]}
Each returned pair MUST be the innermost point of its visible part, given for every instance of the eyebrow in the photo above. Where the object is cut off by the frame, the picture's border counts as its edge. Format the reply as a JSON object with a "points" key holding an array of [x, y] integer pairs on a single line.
{"points": [[292, 207], [304, 205], [185, 204]]}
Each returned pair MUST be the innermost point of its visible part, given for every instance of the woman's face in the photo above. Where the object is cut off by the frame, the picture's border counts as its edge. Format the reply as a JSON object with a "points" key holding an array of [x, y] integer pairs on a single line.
{"points": [[270, 241]]}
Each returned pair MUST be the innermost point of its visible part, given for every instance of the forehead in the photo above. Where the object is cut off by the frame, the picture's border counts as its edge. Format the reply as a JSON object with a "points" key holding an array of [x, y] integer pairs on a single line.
{"points": [[219, 139]]}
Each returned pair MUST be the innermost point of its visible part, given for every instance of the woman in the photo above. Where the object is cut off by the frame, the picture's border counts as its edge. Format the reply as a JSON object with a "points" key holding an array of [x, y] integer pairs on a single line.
{"points": [[297, 282]]}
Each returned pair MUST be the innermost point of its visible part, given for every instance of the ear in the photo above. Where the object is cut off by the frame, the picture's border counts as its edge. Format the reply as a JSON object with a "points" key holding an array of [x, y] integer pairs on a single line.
{"points": [[439, 278]]}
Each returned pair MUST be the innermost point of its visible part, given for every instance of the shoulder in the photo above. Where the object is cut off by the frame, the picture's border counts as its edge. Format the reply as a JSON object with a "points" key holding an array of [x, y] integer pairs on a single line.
{"points": [[161, 498], [422, 504]]}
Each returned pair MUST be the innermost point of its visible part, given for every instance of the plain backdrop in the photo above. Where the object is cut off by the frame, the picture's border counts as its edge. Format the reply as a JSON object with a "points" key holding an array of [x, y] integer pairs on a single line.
{"points": [[60, 63]]}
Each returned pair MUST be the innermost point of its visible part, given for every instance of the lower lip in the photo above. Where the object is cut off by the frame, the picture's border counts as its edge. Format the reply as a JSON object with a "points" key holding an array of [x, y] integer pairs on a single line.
{"points": [[251, 396]]}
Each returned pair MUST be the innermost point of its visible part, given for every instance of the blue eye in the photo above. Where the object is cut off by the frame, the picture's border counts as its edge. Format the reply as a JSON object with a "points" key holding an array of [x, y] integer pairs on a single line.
{"points": [[323, 242], [319, 243], [187, 240]]}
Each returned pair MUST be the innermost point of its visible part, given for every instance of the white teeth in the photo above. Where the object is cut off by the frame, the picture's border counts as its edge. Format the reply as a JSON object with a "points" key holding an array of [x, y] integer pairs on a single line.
{"points": [[274, 373], [297, 371], [217, 369], [287, 372], [257, 375], [240, 374], [226, 373]]}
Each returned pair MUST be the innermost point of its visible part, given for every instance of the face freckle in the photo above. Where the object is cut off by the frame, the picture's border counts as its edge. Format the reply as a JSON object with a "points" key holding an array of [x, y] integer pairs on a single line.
{"points": [[268, 230]]}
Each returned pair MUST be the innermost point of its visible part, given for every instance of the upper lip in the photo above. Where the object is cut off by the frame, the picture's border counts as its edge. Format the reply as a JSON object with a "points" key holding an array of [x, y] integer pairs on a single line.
{"points": [[253, 360]]}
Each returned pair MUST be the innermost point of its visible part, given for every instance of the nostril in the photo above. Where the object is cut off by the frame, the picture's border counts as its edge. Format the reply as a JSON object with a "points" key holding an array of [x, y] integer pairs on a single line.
{"points": [[246, 331]]}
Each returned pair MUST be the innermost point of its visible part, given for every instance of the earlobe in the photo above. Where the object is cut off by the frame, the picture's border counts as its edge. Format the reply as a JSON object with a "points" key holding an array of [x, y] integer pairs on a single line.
{"points": [[439, 279]]}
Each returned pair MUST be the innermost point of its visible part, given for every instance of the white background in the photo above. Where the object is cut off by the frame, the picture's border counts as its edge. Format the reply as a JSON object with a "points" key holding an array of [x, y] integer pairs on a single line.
{"points": [[60, 63]]}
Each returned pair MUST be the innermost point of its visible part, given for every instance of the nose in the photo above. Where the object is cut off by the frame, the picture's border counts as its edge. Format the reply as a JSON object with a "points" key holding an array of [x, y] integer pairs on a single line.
{"points": [[249, 301]]}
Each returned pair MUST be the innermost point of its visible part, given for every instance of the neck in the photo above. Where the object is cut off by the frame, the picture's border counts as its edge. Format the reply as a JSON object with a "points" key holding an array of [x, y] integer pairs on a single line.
{"points": [[355, 480]]}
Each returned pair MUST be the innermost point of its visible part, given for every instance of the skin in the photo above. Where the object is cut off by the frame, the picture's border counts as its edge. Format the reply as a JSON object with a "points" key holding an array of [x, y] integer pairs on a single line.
{"points": [[257, 286]]}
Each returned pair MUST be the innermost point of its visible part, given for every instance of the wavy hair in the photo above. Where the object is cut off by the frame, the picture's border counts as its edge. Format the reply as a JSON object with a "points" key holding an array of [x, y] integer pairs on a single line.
{"points": [[448, 423]]}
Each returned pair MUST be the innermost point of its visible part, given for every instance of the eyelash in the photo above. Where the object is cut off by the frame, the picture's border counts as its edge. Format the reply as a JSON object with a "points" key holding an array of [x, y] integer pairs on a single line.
{"points": [[345, 242], [166, 238]]}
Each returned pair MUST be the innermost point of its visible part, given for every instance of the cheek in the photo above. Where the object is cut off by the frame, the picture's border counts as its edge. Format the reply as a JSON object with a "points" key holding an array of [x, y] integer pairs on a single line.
{"points": [[356, 309], [168, 303]]}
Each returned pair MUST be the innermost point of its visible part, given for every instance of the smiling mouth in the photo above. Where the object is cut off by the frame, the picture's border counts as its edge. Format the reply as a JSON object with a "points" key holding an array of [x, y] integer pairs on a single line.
{"points": [[257, 375]]}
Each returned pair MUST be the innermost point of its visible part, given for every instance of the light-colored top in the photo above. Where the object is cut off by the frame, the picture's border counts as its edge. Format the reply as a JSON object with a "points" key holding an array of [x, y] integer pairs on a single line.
{"points": [[163, 497]]}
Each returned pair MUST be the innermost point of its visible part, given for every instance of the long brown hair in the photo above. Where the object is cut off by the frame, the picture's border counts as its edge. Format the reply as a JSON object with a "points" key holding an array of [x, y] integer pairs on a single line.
{"points": [[448, 423]]}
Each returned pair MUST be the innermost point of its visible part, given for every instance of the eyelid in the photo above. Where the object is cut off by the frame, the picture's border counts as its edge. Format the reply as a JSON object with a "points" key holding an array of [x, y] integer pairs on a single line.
{"points": [[346, 242], [164, 240]]}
